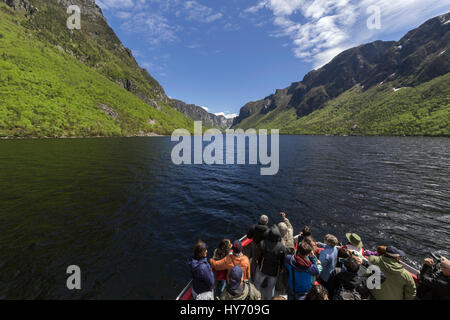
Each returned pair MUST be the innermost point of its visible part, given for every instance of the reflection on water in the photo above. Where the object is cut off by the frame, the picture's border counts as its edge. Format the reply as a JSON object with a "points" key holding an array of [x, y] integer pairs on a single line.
{"points": [[128, 217]]}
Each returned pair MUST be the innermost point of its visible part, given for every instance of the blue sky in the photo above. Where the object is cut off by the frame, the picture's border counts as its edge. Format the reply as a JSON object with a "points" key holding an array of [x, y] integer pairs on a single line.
{"points": [[221, 54]]}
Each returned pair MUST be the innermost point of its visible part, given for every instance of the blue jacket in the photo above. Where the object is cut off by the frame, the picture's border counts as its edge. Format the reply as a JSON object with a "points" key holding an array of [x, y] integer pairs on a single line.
{"points": [[202, 275], [328, 258], [304, 276]]}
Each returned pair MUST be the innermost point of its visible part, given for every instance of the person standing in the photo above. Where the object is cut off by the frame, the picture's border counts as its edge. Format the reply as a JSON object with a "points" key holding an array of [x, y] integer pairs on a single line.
{"points": [[399, 283], [202, 274], [270, 263]]}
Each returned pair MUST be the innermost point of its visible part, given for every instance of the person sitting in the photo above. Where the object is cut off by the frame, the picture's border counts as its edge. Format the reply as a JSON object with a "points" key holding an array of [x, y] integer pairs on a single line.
{"points": [[269, 263], [399, 283], [317, 292], [221, 252], [202, 274], [328, 257], [434, 280], [345, 283], [287, 234], [303, 268], [237, 258], [237, 289]]}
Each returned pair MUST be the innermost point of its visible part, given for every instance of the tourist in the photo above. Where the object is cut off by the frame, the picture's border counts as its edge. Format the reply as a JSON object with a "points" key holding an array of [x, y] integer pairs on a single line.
{"points": [[257, 233], [306, 232], [342, 255], [238, 289], [399, 283], [434, 280], [355, 244], [237, 258], [345, 283], [221, 252], [287, 234], [328, 257], [269, 263], [303, 267], [317, 292], [202, 274]]}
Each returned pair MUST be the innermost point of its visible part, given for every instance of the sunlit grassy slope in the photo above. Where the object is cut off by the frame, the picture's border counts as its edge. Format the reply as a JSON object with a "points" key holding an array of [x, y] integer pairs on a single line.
{"points": [[421, 110], [46, 92]]}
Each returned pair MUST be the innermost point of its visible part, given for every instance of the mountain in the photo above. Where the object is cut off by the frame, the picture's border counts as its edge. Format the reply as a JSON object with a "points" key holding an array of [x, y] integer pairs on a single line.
{"points": [[358, 91], [56, 82], [199, 114]]}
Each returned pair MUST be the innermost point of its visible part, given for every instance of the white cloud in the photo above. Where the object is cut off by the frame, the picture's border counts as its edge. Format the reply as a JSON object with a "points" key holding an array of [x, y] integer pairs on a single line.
{"points": [[156, 27], [321, 29], [195, 11], [204, 108], [228, 116]]}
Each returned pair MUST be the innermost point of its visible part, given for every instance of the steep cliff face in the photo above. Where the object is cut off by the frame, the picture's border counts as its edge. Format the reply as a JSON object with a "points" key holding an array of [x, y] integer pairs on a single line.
{"points": [[422, 55], [199, 114]]}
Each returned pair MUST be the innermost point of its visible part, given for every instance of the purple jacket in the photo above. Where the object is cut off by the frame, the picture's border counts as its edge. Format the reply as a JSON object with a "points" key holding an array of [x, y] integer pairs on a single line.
{"points": [[202, 275]]}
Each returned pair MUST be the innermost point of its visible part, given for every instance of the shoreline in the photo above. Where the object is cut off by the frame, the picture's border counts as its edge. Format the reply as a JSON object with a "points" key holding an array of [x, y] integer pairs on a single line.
{"points": [[159, 135]]}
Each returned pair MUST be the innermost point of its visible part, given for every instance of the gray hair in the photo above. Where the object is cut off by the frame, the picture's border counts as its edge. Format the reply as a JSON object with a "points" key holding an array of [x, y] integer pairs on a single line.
{"points": [[264, 219]]}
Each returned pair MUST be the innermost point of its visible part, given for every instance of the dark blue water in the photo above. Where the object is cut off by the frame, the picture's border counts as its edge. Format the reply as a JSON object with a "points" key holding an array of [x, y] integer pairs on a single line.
{"points": [[128, 217]]}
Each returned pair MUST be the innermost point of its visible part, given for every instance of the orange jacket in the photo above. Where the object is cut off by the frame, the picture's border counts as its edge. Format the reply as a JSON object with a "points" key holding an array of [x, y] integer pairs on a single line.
{"points": [[229, 262]]}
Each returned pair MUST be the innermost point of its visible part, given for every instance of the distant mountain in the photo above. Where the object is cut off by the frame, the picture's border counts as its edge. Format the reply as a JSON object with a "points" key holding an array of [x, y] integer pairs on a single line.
{"points": [[420, 57], [199, 114], [57, 82]]}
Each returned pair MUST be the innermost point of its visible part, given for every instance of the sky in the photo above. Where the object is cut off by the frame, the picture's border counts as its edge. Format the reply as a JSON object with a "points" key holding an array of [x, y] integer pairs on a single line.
{"points": [[221, 54]]}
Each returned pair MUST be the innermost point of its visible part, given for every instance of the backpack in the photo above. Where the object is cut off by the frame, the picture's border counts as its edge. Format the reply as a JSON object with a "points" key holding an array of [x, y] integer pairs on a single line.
{"points": [[345, 294]]}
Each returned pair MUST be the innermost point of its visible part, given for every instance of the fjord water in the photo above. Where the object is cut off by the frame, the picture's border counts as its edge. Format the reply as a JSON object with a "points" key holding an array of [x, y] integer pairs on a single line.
{"points": [[120, 209]]}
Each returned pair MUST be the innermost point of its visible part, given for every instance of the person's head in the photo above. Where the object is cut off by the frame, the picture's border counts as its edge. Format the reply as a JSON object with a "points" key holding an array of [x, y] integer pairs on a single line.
{"points": [[445, 267], [331, 240], [200, 250], [237, 248], [278, 298], [317, 292], [304, 249], [225, 245], [354, 240], [283, 228], [394, 253], [310, 240], [306, 231], [352, 264], [235, 279], [381, 250], [343, 253], [264, 219]]}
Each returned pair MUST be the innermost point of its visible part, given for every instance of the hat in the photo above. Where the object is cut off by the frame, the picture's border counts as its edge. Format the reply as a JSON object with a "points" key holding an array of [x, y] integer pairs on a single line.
{"points": [[264, 219], [354, 239], [237, 247], [235, 280], [393, 252]]}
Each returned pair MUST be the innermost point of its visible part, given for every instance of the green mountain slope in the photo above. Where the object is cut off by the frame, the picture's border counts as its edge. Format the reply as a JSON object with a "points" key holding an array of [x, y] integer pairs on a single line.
{"points": [[420, 110], [356, 93], [58, 83]]}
